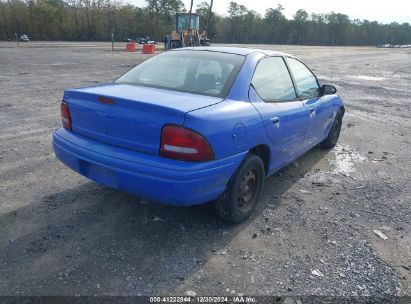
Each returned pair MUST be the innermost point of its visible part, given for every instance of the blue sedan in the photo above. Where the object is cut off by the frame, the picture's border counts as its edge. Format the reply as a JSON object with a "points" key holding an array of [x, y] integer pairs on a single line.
{"points": [[195, 125]]}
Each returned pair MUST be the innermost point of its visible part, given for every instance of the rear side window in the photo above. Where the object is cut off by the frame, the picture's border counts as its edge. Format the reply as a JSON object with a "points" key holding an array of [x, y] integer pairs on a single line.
{"points": [[198, 72], [272, 80], [306, 83]]}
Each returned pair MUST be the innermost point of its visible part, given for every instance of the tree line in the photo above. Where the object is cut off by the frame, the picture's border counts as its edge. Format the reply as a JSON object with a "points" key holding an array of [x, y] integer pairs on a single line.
{"points": [[82, 20]]}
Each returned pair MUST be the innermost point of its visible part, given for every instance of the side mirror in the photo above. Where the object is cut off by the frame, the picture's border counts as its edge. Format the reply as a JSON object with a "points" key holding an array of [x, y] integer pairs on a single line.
{"points": [[328, 89]]}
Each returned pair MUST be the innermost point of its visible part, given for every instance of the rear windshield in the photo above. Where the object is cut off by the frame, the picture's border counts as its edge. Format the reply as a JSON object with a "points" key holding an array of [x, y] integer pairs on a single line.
{"points": [[199, 72]]}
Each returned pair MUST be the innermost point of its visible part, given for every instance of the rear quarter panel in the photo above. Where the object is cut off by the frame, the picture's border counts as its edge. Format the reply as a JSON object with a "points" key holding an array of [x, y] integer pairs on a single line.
{"points": [[231, 127]]}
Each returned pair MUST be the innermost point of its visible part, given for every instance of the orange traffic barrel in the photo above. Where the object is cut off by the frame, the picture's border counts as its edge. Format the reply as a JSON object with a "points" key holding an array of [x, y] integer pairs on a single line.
{"points": [[131, 47], [149, 48]]}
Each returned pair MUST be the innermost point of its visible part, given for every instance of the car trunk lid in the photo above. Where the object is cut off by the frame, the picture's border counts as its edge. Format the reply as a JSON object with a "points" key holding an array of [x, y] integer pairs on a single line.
{"points": [[129, 116]]}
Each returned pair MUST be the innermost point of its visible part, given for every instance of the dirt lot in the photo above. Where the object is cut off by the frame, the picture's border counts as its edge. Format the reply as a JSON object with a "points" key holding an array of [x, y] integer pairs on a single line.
{"points": [[61, 234]]}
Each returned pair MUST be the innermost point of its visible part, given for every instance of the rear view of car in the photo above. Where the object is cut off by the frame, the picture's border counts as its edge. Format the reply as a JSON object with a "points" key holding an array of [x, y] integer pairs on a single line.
{"points": [[130, 134]]}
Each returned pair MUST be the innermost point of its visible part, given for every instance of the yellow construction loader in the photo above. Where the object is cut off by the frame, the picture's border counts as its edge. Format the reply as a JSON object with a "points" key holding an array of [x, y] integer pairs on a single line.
{"points": [[187, 31]]}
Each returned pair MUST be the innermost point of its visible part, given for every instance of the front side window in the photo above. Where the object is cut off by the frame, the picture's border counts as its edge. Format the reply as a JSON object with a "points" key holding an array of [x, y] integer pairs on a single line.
{"points": [[305, 81], [272, 80]]}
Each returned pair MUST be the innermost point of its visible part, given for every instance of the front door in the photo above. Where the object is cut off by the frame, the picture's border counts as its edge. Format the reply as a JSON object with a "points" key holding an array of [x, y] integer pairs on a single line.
{"points": [[308, 89], [285, 117]]}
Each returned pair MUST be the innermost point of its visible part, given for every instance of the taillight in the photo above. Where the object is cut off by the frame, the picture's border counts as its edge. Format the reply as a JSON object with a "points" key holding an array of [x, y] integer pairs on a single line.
{"points": [[65, 116], [183, 144]]}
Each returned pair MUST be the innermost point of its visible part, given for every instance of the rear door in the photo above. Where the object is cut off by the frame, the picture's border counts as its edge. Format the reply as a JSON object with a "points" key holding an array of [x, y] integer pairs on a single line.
{"points": [[284, 116], [308, 89]]}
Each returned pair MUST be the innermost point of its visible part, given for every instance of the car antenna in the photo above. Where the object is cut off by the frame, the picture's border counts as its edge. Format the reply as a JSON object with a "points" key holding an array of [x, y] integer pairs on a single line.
{"points": [[332, 59]]}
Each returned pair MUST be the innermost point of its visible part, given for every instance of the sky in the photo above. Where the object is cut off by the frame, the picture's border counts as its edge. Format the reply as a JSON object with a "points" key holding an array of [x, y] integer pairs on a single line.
{"points": [[380, 10]]}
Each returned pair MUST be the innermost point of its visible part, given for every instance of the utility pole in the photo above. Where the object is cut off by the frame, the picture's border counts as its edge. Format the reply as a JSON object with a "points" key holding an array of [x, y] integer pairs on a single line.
{"points": [[209, 16], [189, 23], [112, 42]]}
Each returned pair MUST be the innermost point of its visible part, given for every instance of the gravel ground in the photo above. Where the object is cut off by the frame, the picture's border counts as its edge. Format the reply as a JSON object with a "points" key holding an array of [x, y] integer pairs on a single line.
{"points": [[315, 232]]}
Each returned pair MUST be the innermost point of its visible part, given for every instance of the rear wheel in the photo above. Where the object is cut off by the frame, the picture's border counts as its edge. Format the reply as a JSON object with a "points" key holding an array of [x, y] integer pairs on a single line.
{"points": [[243, 191], [334, 133]]}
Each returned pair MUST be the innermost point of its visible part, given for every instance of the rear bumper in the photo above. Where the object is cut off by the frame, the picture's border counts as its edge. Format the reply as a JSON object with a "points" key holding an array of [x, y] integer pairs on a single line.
{"points": [[152, 177]]}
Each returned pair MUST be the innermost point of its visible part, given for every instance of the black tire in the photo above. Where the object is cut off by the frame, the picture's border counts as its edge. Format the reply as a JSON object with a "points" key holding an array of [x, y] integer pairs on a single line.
{"points": [[334, 133], [243, 191]]}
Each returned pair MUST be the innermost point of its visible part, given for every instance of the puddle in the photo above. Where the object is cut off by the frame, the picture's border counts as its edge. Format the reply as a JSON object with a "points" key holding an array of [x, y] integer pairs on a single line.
{"points": [[343, 159], [328, 78], [365, 77], [340, 161]]}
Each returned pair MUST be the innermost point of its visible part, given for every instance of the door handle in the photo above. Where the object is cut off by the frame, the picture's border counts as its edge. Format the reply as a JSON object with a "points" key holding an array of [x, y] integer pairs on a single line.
{"points": [[276, 121], [312, 112]]}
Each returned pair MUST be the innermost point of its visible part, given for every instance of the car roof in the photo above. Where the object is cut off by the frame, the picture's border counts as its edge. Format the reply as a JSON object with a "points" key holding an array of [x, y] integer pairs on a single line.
{"points": [[235, 50]]}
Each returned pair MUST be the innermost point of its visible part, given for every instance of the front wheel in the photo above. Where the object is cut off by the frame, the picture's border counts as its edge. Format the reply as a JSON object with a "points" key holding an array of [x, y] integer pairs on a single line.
{"points": [[243, 191], [334, 133]]}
